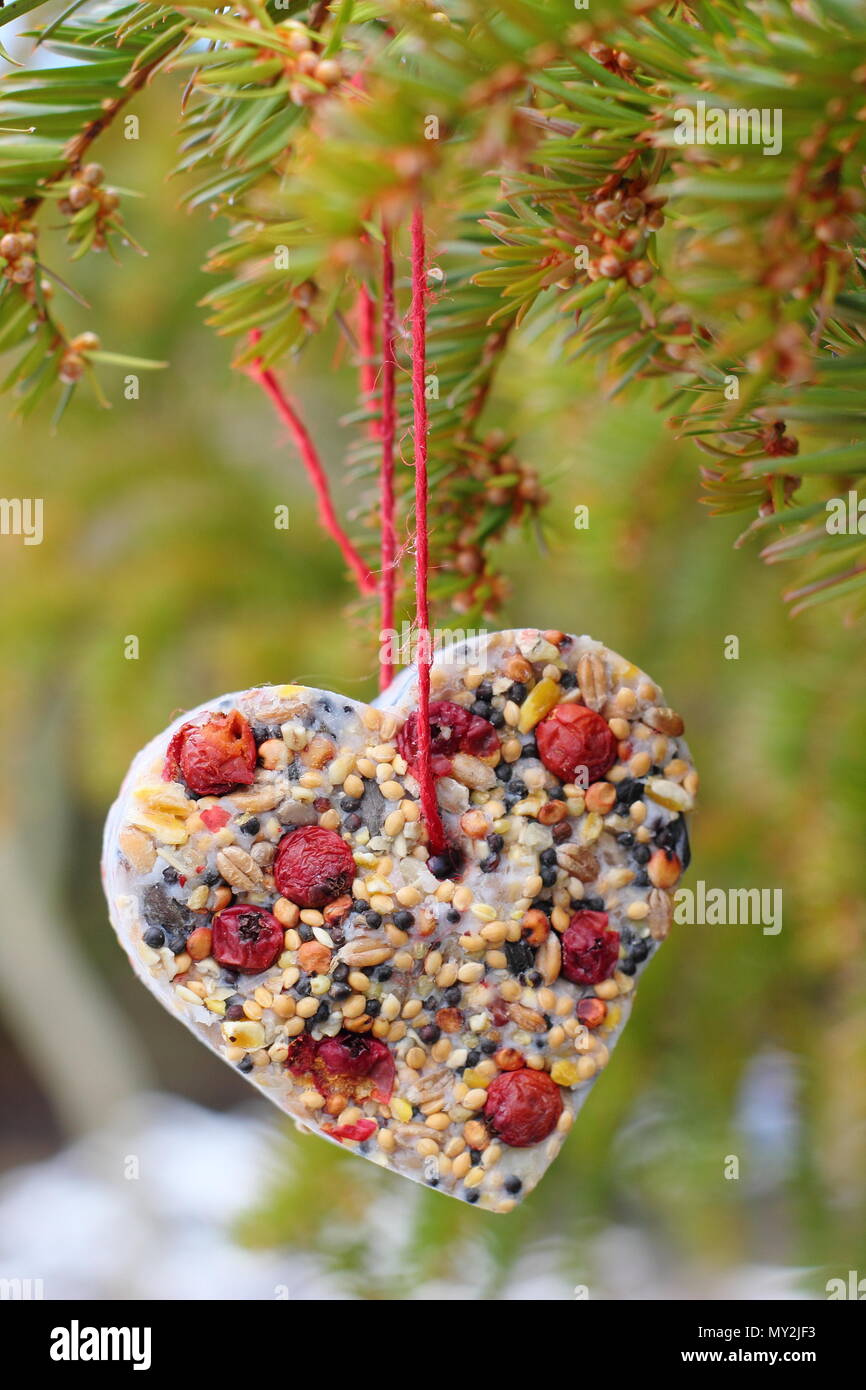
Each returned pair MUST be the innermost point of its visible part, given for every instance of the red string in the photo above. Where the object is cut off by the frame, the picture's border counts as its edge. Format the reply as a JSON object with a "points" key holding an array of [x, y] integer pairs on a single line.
{"points": [[367, 341], [388, 578], [424, 768], [310, 459]]}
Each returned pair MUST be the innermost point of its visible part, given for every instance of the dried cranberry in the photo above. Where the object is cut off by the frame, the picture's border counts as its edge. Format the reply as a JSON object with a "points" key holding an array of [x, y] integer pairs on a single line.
{"points": [[453, 729], [313, 866], [246, 938], [215, 757], [523, 1107], [574, 737], [360, 1131], [353, 1058], [589, 950]]}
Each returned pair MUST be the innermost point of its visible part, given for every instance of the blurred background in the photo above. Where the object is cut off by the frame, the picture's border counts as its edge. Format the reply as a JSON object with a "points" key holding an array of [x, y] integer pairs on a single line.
{"points": [[134, 1164]]}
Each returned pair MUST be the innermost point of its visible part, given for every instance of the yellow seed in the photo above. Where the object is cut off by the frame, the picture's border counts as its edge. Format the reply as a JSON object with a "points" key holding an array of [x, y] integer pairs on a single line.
{"points": [[312, 1100], [353, 785], [402, 1110], [392, 791], [247, 1035], [386, 1140], [439, 1121], [539, 702], [415, 1058], [565, 1073], [476, 1079], [475, 1099]]}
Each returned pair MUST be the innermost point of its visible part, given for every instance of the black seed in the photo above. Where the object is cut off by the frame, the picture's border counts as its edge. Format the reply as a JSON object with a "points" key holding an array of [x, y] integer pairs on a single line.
{"points": [[519, 955], [452, 996], [170, 874], [489, 864], [252, 826], [628, 966], [349, 803], [642, 854], [471, 1197], [484, 691], [373, 1006], [497, 718], [548, 875], [452, 915], [383, 972], [322, 1012], [641, 879], [488, 1047], [473, 1058], [358, 905], [641, 949], [626, 839], [353, 822], [302, 988], [629, 791], [593, 904], [245, 1064], [305, 932], [504, 772], [340, 972], [373, 919], [210, 877], [512, 1184], [548, 856], [675, 838], [530, 749], [475, 1157], [568, 680], [404, 920], [517, 693], [430, 1033], [154, 937], [533, 978], [495, 843], [481, 708], [340, 991]]}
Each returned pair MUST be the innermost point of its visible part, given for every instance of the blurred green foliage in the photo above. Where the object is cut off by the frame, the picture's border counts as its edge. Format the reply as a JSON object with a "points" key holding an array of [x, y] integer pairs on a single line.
{"points": [[159, 523]]}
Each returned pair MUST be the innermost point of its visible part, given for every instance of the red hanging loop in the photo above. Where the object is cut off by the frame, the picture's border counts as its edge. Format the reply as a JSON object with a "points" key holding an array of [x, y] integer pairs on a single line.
{"points": [[424, 769], [388, 552], [313, 465]]}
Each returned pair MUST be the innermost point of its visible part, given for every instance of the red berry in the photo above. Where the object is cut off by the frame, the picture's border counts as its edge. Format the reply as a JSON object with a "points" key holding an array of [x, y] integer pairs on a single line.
{"points": [[313, 866], [523, 1107], [246, 938], [215, 757], [589, 950], [573, 737], [352, 1058], [453, 729]]}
